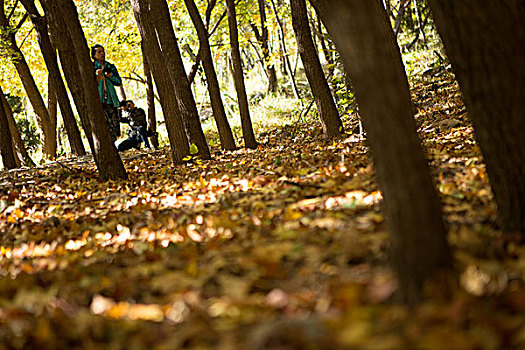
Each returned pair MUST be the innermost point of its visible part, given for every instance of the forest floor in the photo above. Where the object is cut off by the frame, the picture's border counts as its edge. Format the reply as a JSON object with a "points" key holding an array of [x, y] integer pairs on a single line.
{"points": [[283, 247]]}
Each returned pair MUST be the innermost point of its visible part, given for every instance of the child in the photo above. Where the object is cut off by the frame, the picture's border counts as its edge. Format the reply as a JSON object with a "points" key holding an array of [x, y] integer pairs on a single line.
{"points": [[138, 131]]}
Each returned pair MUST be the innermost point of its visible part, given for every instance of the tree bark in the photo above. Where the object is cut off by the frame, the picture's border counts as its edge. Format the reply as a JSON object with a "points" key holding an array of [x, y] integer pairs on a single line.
{"points": [[332, 125], [6, 146], [60, 40], [225, 133], [178, 139], [35, 98], [486, 50], [364, 38], [150, 98], [173, 61], [106, 156], [21, 155], [50, 58], [242, 99]]}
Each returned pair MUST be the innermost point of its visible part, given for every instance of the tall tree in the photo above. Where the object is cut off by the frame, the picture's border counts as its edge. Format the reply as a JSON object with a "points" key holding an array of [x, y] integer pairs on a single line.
{"points": [[332, 125], [225, 133], [172, 115], [485, 44], [287, 66], [106, 156], [173, 60], [20, 152], [46, 125], [150, 98], [6, 146], [61, 40], [242, 99], [50, 58], [364, 38], [263, 40]]}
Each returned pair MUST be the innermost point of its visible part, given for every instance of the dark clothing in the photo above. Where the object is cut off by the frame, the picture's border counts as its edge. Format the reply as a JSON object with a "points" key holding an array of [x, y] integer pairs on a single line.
{"points": [[138, 130], [112, 120]]}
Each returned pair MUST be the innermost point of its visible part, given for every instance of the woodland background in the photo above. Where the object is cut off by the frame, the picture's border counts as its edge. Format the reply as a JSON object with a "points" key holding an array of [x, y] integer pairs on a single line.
{"points": [[344, 205]]}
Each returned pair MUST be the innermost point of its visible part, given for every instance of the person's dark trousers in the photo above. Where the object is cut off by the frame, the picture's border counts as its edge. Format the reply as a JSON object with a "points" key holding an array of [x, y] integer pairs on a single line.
{"points": [[143, 134], [112, 120], [130, 142]]}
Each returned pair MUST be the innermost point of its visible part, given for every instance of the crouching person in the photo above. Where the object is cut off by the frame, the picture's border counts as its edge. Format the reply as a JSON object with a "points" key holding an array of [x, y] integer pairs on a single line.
{"points": [[138, 131]]}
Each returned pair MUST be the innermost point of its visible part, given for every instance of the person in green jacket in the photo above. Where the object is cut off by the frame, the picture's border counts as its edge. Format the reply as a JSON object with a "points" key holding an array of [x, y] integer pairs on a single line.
{"points": [[107, 78]]}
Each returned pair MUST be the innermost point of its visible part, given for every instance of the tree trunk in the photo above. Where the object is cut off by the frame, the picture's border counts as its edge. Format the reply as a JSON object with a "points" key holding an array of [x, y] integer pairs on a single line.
{"points": [[225, 133], [178, 139], [21, 155], [106, 155], [173, 61], [485, 45], [150, 98], [246, 122], [6, 146], [50, 58], [286, 60], [332, 126], [60, 40], [262, 39], [364, 38], [35, 98], [52, 102]]}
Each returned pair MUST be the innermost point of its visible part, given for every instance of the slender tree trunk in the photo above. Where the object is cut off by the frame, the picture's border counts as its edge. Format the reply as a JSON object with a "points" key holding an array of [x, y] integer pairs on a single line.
{"points": [[364, 38], [21, 155], [262, 39], [327, 55], [60, 40], [106, 155], [52, 102], [6, 146], [150, 98], [178, 139], [50, 58], [287, 65], [400, 13], [35, 98], [173, 61], [225, 133], [332, 125], [485, 44], [246, 122]]}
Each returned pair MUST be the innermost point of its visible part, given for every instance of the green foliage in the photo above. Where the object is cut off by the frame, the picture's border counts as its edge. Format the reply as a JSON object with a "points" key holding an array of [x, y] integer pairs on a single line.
{"points": [[28, 133], [27, 128]]}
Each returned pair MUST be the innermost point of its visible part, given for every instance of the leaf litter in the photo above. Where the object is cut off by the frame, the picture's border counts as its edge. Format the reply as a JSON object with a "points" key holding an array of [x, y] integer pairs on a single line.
{"points": [[280, 247]]}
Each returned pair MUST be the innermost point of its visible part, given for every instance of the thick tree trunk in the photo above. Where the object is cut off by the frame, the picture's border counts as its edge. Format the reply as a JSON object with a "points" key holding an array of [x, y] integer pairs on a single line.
{"points": [[332, 125], [106, 156], [35, 98], [21, 155], [485, 44], [178, 139], [225, 133], [364, 38], [150, 98], [50, 58], [60, 40], [6, 146], [173, 61], [246, 122]]}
